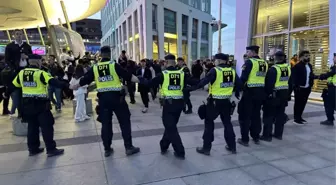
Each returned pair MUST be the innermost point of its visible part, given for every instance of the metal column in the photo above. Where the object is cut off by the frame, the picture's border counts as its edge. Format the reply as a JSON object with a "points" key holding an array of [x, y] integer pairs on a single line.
{"points": [[9, 36], [52, 34], [41, 36], [219, 28], [65, 15], [25, 33]]}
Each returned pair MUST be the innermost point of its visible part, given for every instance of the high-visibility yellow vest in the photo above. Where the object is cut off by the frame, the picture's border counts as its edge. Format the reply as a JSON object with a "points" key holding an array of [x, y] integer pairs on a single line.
{"points": [[173, 83], [222, 87], [31, 84], [258, 73], [283, 74], [106, 77], [332, 80]]}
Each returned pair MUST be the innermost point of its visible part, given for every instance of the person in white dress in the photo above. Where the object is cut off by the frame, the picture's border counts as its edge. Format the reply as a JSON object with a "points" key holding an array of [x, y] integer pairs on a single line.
{"points": [[80, 113]]}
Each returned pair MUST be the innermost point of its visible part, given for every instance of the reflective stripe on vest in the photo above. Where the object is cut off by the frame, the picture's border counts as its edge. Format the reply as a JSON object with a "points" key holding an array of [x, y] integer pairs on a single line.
{"points": [[106, 77], [173, 83], [222, 87], [32, 86], [283, 74], [258, 73]]}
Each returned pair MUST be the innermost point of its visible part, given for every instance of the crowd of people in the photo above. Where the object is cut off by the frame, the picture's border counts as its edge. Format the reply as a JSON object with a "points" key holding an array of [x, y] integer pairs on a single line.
{"points": [[33, 83]]}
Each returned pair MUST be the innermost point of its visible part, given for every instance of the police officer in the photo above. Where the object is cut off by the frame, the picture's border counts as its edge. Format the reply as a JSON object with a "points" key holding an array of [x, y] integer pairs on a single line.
{"points": [[36, 106], [181, 65], [253, 77], [223, 81], [172, 82], [276, 88], [329, 95], [111, 98]]}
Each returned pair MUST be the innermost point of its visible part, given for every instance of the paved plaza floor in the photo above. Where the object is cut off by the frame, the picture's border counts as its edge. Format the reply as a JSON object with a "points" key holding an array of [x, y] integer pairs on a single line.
{"points": [[305, 156]]}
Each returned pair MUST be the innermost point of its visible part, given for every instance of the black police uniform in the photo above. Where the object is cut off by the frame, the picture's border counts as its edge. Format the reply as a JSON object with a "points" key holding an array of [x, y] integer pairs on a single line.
{"points": [[36, 111], [276, 103], [186, 95], [329, 97], [171, 113], [215, 108], [113, 102], [250, 105]]}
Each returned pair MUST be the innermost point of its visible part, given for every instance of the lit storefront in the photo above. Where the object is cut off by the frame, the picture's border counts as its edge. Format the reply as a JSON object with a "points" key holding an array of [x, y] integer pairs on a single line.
{"points": [[291, 26]]}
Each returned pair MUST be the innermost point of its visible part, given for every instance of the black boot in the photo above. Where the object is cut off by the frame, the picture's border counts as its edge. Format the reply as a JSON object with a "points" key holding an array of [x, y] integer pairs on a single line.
{"points": [[108, 152], [132, 150], [232, 150], [240, 141], [55, 152], [327, 122], [267, 139], [179, 156], [203, 151], [36, 152]]}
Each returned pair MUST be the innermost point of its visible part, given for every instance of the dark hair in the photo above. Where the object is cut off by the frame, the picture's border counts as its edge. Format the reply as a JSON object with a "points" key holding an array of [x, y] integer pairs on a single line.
{"points": [[17, 30], [302, 53], [123, 52], [52, 56], [79, 71]]}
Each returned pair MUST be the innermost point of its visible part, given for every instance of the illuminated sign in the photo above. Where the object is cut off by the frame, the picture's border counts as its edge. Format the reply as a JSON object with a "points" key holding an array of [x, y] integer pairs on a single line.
{"points": [[39, 50]]}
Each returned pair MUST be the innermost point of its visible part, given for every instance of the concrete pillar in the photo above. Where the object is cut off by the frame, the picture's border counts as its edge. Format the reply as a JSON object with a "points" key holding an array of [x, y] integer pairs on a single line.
{"points": [[52, 34], [127, 37], [148, 30], [41, 36], [140, 31], [9, 36], [210, 40], [332, 30], [133, 36], [199, 38], [65, 15], [179, 33], [244, 21], [189, 36], [160, 31]]}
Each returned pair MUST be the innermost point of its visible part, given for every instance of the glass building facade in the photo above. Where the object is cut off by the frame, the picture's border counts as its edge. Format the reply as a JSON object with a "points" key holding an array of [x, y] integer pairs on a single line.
{"points": [[293, 26], [153, 28]]}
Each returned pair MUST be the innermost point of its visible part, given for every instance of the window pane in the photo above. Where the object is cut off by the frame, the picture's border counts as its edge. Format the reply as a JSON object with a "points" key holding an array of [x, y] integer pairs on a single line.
{"points": [[204, 50], [155, 47], [310, 13], [272, 16], [184, 25], [205, 31], [194, 28], [276, 43], [193, 50], [154, 16], [169, 21]]}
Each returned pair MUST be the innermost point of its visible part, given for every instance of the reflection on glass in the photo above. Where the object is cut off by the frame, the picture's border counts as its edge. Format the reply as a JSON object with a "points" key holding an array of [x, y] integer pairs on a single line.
{"points": [[271, 16], [170, 46], [155, 47], [259, 42], [193, 50], [185, 50], [204, 50], [276, 43], [310, 13]]}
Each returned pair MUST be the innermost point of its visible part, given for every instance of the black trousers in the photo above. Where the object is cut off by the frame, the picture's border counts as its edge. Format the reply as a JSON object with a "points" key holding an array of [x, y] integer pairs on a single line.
{"points": [[144, 97], [171, 113], [38, 115], [301, 96], [249, 117], [223, 109], [131, 90], [154, 91], [329, 100], [187, 102], [108, 106], [5, 101], [274, 113]]}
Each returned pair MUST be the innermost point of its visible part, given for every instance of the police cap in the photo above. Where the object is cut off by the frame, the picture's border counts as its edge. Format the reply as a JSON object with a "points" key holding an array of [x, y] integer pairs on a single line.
{"points": [[253, 48], [180, 59], [169, 57], [222, 56], [34, 57], [280, 54], [105, 49]]}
